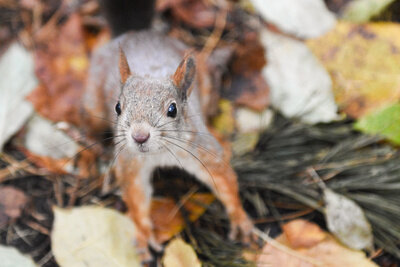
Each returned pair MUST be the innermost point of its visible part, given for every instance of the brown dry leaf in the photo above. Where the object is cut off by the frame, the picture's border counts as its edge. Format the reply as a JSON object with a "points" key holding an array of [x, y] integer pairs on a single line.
{"points": [[180, 254], [167, 219], [308, 246], [61, 65], [363, 61], [301, 233], [12, 202], [248, 86]]}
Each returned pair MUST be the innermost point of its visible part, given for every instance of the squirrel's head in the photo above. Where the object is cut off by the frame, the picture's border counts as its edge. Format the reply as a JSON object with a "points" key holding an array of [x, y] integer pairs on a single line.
{"points": [[148, 108]]}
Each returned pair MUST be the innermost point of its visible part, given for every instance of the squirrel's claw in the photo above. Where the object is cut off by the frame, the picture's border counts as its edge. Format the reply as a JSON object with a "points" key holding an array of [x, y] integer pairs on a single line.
{"points": [[144, 255], [155, 245], [242, 228]]}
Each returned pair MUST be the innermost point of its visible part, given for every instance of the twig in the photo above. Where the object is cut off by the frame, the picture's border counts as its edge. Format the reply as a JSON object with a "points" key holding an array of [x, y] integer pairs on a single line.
{"points": [[37, 227], [181, 202], [213, 39], [293, 215]]}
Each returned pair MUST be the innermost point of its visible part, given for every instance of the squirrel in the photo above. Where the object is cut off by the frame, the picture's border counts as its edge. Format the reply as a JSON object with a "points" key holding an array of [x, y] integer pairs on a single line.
{"points": [[145, 86]]}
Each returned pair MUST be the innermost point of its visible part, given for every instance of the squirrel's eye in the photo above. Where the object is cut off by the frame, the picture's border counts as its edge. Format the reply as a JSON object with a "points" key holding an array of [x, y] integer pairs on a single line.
{"points": [[118, 108], [172, 110]]}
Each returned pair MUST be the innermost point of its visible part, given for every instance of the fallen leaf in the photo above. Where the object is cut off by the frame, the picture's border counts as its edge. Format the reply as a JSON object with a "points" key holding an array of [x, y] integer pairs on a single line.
{"points": [[247, 86], [51, 148], [168, 220], [384, 122], [245, 142], [302, 18], [316, 248], [363, 61], [248, 120], [347, 221], [364, 10], [12, 203], [302, 234], [11, 257], [93, 236], [61, 64], [180, 254], [18, 80], [224, 122], [300, 86], [44, 139]]}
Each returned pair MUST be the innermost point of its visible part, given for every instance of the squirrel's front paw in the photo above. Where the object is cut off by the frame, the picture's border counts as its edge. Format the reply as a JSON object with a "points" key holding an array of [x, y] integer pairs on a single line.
{"points": [[154, 244], [142, 248], [242, 228], [144, 254]]}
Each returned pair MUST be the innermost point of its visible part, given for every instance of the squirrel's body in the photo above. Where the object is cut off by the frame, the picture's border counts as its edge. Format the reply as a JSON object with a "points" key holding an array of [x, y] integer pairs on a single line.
{"points": [[139, 81]]}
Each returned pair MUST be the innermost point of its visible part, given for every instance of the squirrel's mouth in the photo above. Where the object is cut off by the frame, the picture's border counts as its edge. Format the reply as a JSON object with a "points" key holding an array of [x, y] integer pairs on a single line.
{"points": [[143, 149]]}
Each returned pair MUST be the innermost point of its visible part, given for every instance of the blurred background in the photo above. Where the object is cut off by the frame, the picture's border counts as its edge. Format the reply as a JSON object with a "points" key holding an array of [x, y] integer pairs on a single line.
{"points": [[305, 93]]}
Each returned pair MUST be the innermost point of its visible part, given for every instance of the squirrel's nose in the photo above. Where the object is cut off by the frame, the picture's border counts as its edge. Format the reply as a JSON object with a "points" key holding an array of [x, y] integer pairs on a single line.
{"points": [[140, 137]]}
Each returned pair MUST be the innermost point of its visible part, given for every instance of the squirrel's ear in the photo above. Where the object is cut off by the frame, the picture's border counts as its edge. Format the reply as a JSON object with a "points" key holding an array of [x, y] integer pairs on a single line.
{"points": [[184, 75], [124, 69]]}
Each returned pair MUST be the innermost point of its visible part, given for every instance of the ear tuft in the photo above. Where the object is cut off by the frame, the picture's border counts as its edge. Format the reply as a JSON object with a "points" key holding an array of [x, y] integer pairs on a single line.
{"points": [[184, 75], [124, 69]]}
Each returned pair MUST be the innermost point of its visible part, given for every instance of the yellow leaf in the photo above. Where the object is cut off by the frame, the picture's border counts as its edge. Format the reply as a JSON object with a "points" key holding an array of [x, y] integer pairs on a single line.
{"points": [[180, 254], [224, 123], [93, 236], [363, 61]]}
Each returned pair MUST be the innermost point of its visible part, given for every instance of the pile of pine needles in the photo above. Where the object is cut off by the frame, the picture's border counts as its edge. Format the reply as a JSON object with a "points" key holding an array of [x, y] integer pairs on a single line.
{"points": [[276, 178]]}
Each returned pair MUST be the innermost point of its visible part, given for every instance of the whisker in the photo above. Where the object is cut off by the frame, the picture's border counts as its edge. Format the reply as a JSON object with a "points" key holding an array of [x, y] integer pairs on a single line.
{"points": [[84, 149], [212, 178], [78, 139], [106, 180], [190, 142], [167, 123], [158, 120], [169, 150]]}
